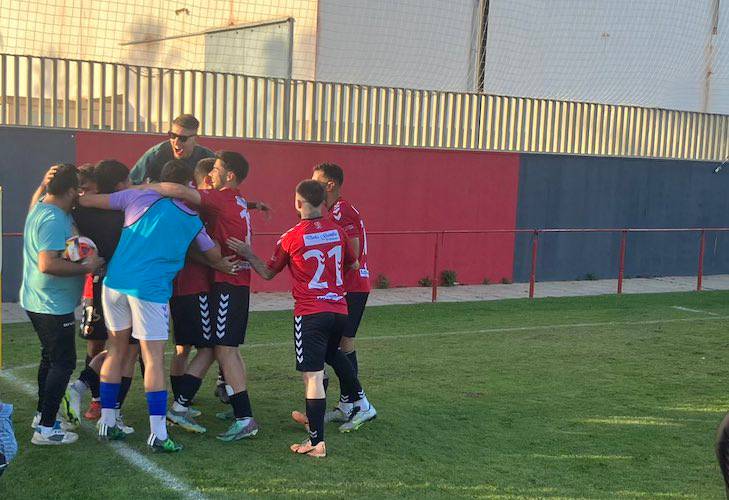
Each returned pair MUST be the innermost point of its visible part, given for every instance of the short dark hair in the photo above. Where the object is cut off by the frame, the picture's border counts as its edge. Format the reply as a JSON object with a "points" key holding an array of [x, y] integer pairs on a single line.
{"points": [[311, 191], [176, 171], [65, 178], [234, 162], [187, 121], [204, 167], [108, 174], [154, 172], [332, 171], [86, 172]]}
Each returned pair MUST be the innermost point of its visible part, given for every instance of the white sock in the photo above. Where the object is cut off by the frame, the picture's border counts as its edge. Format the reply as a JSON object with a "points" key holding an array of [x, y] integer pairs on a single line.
{"points": [[229, 390], [158, 427], [177, 407], [80, 387], [96, 399], [108, 417], [363, 404]]}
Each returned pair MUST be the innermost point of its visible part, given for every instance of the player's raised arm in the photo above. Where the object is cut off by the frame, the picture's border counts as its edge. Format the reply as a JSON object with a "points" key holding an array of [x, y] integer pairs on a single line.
{"points": [[263, 207], [245, 251], [174, 190], [96, 201], [41, 189]]}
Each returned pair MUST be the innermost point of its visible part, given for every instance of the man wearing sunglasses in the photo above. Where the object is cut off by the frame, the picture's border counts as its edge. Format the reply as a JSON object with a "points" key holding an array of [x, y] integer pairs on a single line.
{"points": [[181, 145]]}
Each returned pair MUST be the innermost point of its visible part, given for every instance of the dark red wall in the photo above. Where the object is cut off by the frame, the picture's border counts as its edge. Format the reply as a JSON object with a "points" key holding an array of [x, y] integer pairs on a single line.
{"points": [[395, 189]]}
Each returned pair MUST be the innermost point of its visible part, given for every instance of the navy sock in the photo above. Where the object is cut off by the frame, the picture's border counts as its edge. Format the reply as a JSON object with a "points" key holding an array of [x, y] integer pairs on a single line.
{"points": [[355, 395], [241, 404], [188, 386], [91, 379], [352, 357], [126, 383], [315, 409], [175, 385], [348, 382]]}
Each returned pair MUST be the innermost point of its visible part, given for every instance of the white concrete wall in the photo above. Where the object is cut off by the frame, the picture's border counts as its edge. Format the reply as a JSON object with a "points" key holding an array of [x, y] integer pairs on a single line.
{"points": [[95, 29], [426, 44]]}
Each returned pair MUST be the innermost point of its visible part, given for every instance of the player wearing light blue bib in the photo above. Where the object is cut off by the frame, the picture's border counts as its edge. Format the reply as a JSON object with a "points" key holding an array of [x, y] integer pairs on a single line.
{"points": [[155, 239], [157, 232]]}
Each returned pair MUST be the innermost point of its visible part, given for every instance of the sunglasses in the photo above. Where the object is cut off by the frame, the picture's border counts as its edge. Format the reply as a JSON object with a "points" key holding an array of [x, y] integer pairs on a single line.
{"points": [[182, 138]]}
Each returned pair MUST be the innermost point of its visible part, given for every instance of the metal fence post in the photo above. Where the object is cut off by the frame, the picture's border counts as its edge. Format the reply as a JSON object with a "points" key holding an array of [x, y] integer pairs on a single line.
{"points": [[434, 295], [621, 265], [533, 275], [702, 245]]}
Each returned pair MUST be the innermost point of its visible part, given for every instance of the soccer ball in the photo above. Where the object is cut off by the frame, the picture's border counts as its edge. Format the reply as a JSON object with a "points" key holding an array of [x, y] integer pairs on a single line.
{"points": [[78, 248]]}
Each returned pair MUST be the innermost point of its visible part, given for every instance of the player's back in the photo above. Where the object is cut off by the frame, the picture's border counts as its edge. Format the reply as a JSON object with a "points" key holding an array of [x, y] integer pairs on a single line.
{"points": [[152, 247], [317, 250], [346, 216]]}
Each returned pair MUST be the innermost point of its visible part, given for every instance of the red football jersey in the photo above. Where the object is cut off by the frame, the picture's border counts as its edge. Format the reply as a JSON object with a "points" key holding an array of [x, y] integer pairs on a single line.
{"points": [[192, 279], [316, 251], [226, 215], [348, 218]]}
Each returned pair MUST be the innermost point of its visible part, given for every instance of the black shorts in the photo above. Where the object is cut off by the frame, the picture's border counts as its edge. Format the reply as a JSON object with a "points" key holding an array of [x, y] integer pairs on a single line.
{"points": [[356, 302], [315, 337], [92, 326], [229, 307], [192, 321]]}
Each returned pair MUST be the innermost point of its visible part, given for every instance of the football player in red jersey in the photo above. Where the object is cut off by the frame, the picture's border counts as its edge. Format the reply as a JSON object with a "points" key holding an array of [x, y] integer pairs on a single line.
{"points": [[356, 281], [317, 253], [226, 214], [190, 313]]}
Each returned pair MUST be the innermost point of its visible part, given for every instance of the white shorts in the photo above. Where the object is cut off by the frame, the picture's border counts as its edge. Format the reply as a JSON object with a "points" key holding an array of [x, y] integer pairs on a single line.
{"points": [[148, 320]]}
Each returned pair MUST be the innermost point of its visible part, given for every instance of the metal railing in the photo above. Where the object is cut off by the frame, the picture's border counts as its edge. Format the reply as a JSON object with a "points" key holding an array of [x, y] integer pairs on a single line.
{"points": [[92, 95], [439, 238]]}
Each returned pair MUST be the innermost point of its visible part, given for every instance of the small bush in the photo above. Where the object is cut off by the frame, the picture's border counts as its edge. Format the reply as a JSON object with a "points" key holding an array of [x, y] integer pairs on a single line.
{"points": [[426, 282], [506, 281], [591, 277], [486, 281], [382, 282], [448, 278]]}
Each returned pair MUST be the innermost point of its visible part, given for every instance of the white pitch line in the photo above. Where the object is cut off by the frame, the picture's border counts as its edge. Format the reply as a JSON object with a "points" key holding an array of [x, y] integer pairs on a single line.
{"points": [[133, 457], [681, 308], [513, 329], [507, 329]]}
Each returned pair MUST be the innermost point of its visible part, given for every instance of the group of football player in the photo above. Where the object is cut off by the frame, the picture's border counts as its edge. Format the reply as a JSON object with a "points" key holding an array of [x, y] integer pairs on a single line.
{"points": [[173, 241]]}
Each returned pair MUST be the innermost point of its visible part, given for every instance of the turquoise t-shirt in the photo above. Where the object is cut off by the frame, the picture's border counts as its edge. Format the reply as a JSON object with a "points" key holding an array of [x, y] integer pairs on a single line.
{"points": [[47, 227]]}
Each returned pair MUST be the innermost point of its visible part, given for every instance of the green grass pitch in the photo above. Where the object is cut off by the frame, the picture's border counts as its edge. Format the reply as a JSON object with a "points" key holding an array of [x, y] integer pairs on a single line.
{"points": [[598, 397]]}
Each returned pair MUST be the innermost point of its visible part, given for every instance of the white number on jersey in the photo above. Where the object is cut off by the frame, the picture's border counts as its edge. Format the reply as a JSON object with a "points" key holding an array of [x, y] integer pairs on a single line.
{"points": [[364, 246], [245, 215], [335, 252]]}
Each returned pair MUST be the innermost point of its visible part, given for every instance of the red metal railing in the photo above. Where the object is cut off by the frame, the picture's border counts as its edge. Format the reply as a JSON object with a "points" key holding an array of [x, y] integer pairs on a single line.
{"points": [[439, 237]]}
